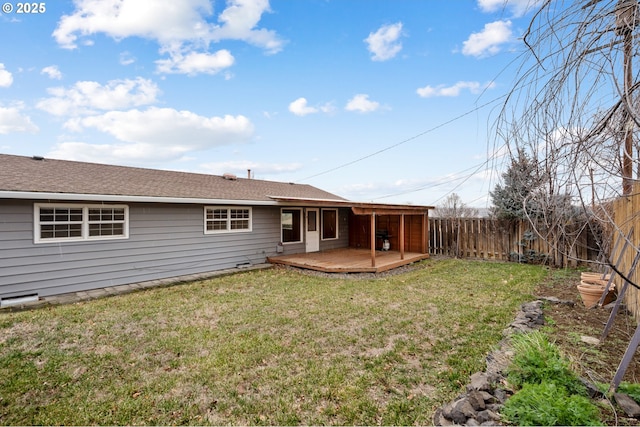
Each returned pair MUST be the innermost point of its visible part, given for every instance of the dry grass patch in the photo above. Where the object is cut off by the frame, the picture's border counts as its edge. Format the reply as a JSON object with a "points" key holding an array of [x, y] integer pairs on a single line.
{"points": [[265, 347]]}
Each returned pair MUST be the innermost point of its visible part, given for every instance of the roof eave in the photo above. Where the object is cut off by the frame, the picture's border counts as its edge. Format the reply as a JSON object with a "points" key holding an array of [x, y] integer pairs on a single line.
{"points": [[354, 205], [30, 195]]}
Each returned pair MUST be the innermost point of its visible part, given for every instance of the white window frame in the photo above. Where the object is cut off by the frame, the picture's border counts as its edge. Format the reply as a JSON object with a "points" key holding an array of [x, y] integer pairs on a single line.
{"points": [[84, 234], [229, 220], [301, 231], [337, 224]]}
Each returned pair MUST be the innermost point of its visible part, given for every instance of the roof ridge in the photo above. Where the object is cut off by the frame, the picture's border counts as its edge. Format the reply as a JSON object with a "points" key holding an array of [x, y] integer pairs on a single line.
{"points": [[49, 175]]}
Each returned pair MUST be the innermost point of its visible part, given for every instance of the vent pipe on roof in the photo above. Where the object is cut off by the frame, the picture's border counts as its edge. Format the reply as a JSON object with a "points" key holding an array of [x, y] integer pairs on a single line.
{"points": [[248, 173]]}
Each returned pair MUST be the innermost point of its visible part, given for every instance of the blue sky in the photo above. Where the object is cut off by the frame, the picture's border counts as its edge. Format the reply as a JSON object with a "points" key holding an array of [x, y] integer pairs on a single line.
{"points": [[389, 101]]}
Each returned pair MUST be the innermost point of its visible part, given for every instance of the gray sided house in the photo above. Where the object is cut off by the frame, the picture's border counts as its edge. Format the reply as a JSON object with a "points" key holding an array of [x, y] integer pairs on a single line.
{"points": [[72, 226]]}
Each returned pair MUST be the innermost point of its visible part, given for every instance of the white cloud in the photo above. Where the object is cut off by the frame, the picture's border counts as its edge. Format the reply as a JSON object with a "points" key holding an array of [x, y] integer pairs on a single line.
{"points": [[13, 120], [6, 78], [115, 153], [86, 97], [489, 40], [384, 43], [239, 20], [455, 90], [126, 58], [193, 63], [240, 168], [300, 107], [362, 104], [517, 7], [166, 127], [181, 28], [163, 20], [156, 134], [52, 71]]}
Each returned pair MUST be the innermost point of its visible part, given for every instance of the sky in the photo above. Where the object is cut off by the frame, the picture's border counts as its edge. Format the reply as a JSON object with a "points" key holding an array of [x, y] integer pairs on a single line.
{"points": [[387, 101]]}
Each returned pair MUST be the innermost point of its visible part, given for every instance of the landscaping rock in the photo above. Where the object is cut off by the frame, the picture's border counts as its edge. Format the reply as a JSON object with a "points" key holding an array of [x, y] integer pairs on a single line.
{"points": [[529, 318], [487, 416], [472, 422], [555, 300], [464, 409], [501, 395], [479, 381], [440, 420], [628, 405], [484, 398], [476, 399], [593, 391], [498, 361]]}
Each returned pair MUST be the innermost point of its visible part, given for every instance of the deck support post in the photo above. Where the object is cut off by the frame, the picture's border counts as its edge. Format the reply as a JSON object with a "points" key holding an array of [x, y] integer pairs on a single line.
{"points": [[401, 236], [373, 238], [425, 233]]}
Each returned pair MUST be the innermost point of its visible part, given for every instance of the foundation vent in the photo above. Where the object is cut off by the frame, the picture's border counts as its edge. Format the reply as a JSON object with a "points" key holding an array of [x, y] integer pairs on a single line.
{"points": [[22, 299]]}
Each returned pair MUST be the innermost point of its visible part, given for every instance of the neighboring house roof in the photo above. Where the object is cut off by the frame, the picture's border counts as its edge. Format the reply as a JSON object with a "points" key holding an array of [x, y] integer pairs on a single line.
{"points": [[36, 177]]}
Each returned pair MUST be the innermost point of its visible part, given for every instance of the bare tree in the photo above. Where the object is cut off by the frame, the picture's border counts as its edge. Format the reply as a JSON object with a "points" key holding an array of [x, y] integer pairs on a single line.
{"points": [[574, 109], [454, 207]]}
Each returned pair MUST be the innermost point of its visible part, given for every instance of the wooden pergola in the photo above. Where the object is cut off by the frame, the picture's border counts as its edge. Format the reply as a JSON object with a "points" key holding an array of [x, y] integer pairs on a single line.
{"points": [[374, 211]]}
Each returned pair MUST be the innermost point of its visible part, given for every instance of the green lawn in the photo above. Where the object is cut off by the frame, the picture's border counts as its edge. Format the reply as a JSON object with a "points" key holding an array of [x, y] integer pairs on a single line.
{"points": [[270, 347]]}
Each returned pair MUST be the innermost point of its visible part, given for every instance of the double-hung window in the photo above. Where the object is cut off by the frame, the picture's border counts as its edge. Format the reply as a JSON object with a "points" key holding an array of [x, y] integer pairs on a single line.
{"points": [[73, 222], [221, 219]]}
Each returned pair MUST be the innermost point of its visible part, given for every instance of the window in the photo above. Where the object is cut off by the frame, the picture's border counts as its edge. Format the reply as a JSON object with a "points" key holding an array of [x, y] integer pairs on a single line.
{"points": [[80, 222], [226, 220], [329, 224], [106, 222], [240, 219], [291, 224]]}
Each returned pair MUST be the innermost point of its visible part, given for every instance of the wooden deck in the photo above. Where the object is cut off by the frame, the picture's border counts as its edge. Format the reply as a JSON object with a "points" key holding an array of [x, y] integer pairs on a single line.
{"points": [[348, 260]]}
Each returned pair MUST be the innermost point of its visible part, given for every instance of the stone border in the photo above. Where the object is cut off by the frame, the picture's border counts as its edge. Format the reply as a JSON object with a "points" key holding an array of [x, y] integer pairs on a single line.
{"points": [[485, 395]]}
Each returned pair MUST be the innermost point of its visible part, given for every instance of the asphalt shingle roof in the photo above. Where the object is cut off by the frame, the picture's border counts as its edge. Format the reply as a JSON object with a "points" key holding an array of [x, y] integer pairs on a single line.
{"points": [[27, 174]]}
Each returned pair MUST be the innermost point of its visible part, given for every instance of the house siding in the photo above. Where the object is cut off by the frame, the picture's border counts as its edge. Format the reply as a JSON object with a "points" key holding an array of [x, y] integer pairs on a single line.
{"points": [[164, 241]]}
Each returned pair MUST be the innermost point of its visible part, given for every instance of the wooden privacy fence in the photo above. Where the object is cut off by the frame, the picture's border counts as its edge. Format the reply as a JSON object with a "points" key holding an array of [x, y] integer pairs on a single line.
{"points": [[488, 238], [626, 214]]}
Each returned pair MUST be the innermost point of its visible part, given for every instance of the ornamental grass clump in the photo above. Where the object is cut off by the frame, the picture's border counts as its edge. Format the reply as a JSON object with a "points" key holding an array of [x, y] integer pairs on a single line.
{"points": [[548, 392], [537, 360], [548, 404]]}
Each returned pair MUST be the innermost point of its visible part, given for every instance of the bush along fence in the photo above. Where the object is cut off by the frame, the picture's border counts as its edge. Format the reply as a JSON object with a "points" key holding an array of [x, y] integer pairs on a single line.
{"points": [[517, 241]]}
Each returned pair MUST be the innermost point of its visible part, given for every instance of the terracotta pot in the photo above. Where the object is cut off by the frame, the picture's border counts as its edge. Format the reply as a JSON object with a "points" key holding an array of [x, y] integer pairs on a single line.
{"points": [[591, 294], [597, 282], [590, 275]]}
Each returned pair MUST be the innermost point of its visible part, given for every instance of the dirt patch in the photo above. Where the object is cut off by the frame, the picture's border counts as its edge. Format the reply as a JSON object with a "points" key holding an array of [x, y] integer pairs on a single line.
{"points": [[575, 325], [578, 332]]}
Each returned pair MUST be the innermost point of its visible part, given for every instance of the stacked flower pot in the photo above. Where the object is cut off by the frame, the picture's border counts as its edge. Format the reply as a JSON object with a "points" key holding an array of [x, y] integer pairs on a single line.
{"points": [[592, 286]]}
